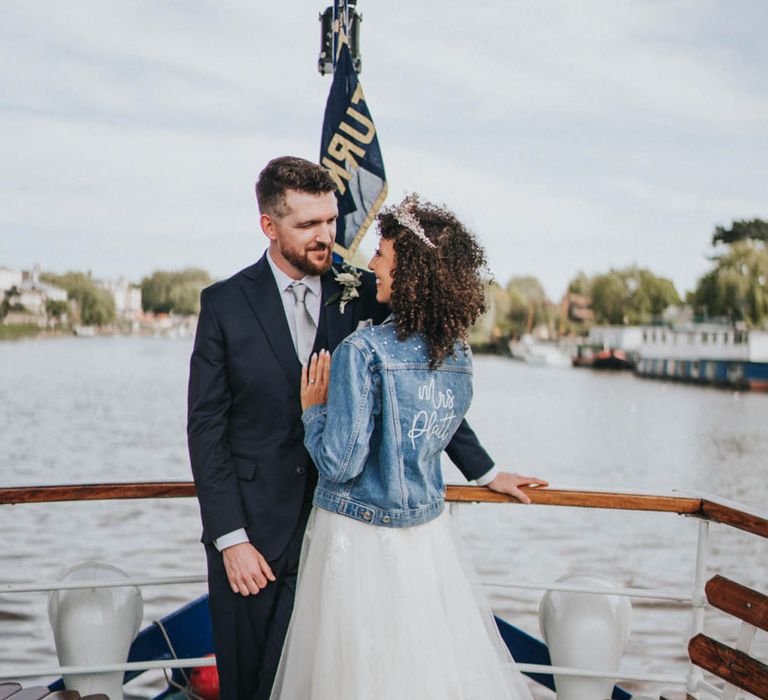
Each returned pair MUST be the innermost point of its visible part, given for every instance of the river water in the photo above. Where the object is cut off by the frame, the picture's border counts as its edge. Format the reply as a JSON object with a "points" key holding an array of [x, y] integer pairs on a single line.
{"points": [[113, 409]]}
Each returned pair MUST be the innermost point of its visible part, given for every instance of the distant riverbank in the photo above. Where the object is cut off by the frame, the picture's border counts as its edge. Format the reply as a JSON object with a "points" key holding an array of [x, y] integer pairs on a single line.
{"points": [[17, 332], [177, 330], [152, 325]]}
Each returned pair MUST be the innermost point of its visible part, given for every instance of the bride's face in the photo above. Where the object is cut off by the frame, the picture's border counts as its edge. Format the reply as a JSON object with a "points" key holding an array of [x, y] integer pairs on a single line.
{"points": [[382, 264]]}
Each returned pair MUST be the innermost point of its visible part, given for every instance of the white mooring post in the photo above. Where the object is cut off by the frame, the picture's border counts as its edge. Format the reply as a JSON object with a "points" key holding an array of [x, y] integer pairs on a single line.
{"points": [[587, 631], [95, 627]]}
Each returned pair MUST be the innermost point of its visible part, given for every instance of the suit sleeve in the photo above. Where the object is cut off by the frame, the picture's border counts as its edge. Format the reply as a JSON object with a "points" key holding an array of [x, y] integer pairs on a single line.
{"points": [[209, 400], [468, 454]]}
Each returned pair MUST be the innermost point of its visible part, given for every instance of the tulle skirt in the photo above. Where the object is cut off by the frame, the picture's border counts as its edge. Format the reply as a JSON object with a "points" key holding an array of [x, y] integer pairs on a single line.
{"points": [[391, 614]]}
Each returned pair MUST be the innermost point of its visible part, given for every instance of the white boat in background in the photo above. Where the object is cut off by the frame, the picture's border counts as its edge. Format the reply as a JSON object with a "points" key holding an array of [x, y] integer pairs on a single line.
{"points": [[85, 331], [538, 352]]}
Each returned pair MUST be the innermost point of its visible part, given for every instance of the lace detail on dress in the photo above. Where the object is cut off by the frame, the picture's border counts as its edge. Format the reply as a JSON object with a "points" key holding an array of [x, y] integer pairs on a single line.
{"points": [[392, 543], [339, 546]]}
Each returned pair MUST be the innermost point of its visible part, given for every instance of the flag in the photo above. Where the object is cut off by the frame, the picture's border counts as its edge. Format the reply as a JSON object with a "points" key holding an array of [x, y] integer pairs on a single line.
{"points": [[349, 149]]}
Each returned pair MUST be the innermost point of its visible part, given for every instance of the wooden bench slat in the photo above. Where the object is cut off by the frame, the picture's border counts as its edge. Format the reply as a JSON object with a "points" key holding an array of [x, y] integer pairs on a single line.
{"points": [[733, 666], [737, 600]]}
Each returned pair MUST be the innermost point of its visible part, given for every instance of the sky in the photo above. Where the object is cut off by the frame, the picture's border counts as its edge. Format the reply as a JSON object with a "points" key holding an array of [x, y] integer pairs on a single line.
{"points": [[569, 136]]}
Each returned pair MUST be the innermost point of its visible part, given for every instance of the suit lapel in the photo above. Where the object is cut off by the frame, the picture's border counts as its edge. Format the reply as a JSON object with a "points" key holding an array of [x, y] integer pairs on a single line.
{"points": [[261, 292], [334, 326]]}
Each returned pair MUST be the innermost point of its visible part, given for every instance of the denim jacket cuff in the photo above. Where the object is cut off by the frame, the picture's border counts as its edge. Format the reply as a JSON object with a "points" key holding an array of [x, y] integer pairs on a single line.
{"points": [[314, 412]]}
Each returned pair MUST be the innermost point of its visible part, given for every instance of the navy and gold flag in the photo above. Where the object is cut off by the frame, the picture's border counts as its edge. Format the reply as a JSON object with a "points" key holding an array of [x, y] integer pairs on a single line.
{"points": [[350, 151]]}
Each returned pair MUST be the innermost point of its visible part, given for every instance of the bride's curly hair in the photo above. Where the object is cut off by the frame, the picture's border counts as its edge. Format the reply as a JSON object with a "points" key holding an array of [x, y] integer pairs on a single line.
{"points": [[436, 291]]}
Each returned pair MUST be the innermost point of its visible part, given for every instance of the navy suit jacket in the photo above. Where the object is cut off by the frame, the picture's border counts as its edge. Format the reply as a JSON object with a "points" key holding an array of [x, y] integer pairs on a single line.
{"points": [[244, 425]]}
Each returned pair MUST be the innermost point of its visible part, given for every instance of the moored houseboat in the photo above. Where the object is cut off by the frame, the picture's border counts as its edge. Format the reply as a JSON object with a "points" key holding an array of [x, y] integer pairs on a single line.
{"points": [[609, 347], [705, 353]]}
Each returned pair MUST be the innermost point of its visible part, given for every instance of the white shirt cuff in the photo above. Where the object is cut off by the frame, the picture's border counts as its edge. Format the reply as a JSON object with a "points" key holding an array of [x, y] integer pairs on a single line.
{"points": [[230, 539], [488, 477]]}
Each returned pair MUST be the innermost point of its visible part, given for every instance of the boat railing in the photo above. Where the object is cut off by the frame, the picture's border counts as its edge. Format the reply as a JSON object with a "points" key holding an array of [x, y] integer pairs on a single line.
{"points": [[705, 508]]}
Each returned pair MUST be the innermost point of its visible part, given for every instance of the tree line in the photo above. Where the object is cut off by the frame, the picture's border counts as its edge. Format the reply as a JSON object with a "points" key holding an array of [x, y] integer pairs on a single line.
{"points": [[90, 304], [734, 290], [174, 292], [163, 291]]}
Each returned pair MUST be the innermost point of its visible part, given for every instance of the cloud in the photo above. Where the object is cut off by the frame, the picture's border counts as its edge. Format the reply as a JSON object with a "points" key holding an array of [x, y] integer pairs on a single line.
{"points": [[569, 135]]}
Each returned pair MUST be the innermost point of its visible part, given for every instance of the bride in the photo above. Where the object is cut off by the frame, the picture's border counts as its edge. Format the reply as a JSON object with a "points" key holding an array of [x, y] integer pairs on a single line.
{"points": [[386, 606]]}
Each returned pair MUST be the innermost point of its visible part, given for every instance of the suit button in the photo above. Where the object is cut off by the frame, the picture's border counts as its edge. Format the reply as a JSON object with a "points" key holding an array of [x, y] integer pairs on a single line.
{"points": [[300, 470], [367, 515], [386, 519]]}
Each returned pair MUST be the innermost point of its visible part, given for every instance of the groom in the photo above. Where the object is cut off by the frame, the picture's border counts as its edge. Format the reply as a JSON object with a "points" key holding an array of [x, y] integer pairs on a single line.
{"points": [[254, 478]]}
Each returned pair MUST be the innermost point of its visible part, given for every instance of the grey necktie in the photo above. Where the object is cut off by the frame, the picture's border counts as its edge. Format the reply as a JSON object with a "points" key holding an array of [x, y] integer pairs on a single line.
{"points": [[305, 324]]}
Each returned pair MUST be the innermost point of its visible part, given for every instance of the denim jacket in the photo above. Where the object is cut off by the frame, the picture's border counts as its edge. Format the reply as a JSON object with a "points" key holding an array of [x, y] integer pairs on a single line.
{"points": [[377, 442]]}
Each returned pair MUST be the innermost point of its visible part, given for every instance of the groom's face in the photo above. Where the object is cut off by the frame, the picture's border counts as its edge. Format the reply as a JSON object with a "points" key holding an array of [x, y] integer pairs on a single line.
{"points": [[302, 232]]}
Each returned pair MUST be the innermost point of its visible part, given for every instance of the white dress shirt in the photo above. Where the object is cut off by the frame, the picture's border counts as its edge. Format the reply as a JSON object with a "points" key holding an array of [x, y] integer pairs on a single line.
{"points": [[312, 300]]}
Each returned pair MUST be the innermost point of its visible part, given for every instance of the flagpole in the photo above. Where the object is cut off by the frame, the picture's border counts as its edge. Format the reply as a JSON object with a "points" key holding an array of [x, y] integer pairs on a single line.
{"points": [[340, 23], [335, 28]]}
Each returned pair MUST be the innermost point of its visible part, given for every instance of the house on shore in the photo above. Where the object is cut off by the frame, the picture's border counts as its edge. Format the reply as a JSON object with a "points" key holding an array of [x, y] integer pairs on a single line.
{"points": [[27, 296]]}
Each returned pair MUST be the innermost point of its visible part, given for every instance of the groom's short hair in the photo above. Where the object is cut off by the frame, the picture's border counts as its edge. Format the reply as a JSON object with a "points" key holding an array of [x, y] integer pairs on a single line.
{"points": [[289, 173]]}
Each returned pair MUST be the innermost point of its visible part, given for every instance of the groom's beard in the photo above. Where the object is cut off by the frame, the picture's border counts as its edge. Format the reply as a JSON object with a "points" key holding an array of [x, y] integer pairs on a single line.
{"points": [[301, 260]]}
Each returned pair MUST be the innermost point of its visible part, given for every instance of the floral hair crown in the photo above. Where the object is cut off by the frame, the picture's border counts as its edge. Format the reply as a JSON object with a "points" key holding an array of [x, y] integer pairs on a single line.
{"points": [[403, 212]]}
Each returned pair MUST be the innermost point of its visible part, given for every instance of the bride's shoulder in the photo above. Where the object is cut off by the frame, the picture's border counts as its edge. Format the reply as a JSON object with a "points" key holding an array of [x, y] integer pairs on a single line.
{"points": [[373, 339], [369, 334]]}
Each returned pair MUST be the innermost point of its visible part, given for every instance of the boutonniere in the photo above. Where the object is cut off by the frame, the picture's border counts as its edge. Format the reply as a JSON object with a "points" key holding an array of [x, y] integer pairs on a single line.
{"points": [[349, 279]]}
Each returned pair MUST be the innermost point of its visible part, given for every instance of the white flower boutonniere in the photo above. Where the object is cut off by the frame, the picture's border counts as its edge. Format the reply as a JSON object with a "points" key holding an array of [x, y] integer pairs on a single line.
{"points": [[349, 278]]}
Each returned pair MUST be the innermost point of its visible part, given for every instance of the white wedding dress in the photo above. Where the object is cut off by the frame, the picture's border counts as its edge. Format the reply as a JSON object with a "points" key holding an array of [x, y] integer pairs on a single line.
{"points": [[391, 614]]}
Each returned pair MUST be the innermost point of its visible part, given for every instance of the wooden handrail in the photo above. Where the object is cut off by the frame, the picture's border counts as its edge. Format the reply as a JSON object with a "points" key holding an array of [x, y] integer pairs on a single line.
{"points": [[683, 505], [460, 494], [731, 665], [96, 492], [709, 508], [737, 600], [735, 515]]}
